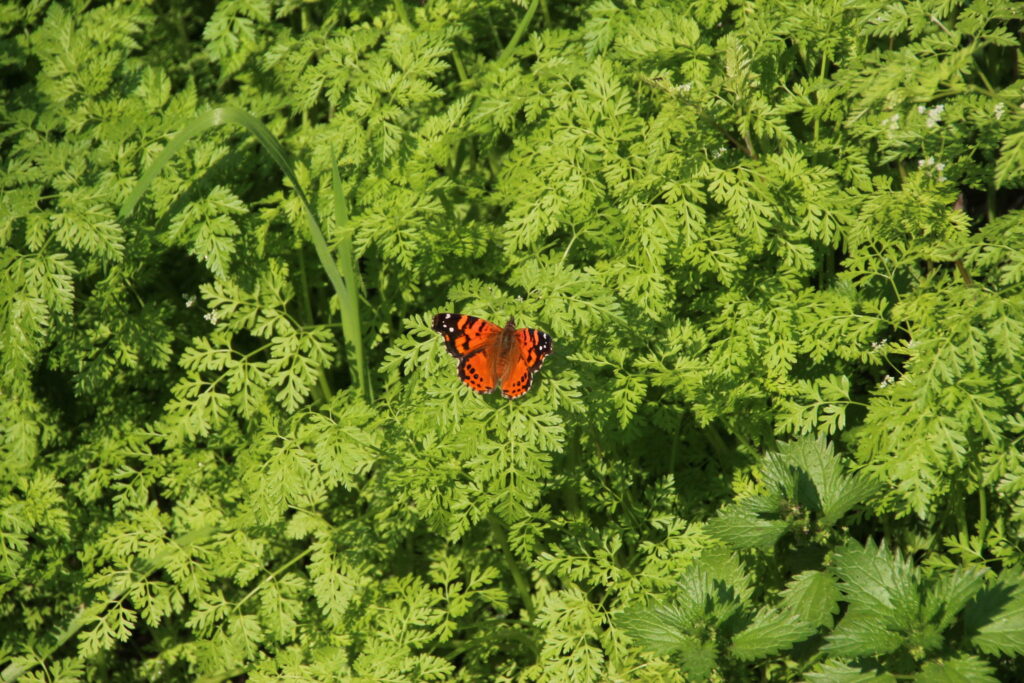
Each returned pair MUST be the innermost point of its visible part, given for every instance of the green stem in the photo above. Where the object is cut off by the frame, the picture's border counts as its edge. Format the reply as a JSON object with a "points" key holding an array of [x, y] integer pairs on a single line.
{"points": [[982, 518], [570, 495], [961, 518], [522, 586], [280, 570], [524, 24], [821, 76], [402, 12], [323, 386], [460, 68], [351, 323], [231, 114], [716, 441]]}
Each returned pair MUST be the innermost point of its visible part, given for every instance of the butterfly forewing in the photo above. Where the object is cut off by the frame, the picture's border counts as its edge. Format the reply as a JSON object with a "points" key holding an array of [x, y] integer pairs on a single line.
{"points": [[464, 334]]}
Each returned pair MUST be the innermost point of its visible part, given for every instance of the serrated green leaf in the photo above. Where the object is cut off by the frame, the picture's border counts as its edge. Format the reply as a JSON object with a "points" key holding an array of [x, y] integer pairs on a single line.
{"points": [[814, 597], [841, 494], [995, 618], [744, 532], [862, 635], [877, 582], [771, 631], [949, 593], [841, 672], [963, 669], [662, 629]]}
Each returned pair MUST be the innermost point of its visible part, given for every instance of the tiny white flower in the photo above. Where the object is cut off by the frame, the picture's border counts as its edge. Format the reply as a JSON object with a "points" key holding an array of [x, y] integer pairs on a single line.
{"points": [[999, 110], [211, 317], [886, 381], [921, 109], [190, 301]]}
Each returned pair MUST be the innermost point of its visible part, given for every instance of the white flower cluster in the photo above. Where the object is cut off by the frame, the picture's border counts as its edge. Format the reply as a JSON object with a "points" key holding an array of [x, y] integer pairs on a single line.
{"points": [[930, 162], [211, 317], [999, 110], [892, 123], [879, 344], [886, 381], [933, 115]]}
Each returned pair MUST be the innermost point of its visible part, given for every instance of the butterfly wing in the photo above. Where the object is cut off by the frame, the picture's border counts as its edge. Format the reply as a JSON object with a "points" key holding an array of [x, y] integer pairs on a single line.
{"points": [[475, 372], [534, 346], [469, 339]]}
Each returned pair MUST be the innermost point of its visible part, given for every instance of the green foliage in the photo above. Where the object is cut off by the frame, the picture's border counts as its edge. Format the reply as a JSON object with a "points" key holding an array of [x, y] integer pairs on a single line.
{"points": [[806, 493], [895, 617], [779, 246]]}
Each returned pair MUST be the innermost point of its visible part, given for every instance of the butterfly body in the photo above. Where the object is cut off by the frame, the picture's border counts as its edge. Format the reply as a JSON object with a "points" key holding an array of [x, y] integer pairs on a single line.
{"points": [[491, 356]]}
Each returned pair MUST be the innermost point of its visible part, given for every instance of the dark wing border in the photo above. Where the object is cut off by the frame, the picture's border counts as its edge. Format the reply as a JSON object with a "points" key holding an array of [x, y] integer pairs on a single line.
{"points": [[538, 346], [459, 332]]}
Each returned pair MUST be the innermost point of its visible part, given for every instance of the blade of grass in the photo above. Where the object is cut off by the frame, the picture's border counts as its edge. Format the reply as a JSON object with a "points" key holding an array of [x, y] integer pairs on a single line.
{"points": [[344, 288], [350, 321], [521, 27]]}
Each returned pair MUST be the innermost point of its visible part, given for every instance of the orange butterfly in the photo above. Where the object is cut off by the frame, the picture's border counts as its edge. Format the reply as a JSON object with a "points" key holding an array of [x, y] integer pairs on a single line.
{"points": [[491, 356]]}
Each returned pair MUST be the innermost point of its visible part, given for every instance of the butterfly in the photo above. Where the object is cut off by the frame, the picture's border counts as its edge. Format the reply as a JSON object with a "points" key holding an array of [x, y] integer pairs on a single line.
{"points": [[491, 356]]}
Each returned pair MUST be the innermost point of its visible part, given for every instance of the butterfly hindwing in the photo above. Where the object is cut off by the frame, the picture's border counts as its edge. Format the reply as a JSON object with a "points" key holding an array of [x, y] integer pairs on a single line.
{"points": [[534, 345], [475, 371]]}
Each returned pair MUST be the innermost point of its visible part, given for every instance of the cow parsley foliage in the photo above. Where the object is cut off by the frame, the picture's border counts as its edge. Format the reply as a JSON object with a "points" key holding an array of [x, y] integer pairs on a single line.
{"points": [[779, 246]]}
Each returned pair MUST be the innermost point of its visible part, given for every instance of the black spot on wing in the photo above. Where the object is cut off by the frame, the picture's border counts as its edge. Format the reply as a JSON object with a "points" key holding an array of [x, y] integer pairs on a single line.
{"points": [[474, 373], [538, 345], [451, 326]]}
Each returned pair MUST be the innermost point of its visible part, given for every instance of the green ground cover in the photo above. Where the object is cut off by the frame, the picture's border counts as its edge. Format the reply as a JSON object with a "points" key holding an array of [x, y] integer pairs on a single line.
{"points": [[779, 246]]}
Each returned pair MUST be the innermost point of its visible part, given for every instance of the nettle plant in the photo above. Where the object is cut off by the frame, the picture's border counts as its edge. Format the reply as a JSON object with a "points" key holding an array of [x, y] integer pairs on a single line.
{"points": [[797, 583], [778, 246]]}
